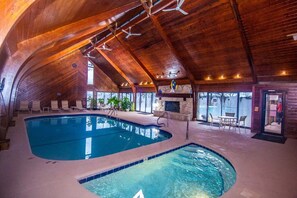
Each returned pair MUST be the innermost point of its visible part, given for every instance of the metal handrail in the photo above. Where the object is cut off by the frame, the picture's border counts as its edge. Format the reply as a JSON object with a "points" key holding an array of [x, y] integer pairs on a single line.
{"points": [[163, 116]]}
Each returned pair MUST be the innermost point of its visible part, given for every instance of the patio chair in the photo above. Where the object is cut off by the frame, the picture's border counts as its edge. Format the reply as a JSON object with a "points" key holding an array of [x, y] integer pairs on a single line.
{"points": [[79, 105], [54, 105], [65, 105], [241, 121], [36, 106], [24, 105], [214, 120]]}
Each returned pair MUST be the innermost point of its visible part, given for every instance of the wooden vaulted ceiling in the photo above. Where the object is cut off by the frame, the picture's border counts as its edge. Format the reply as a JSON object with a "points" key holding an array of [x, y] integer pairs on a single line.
{"points": [[226, 37]]}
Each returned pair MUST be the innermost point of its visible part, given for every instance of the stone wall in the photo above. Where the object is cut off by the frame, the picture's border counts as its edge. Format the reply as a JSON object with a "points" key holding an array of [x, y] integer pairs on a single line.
{"points": [[184, 106]]}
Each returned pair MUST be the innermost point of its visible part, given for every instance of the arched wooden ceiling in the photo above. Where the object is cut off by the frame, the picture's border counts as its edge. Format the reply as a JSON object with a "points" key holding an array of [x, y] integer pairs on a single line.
{"points": [[226, 37]]}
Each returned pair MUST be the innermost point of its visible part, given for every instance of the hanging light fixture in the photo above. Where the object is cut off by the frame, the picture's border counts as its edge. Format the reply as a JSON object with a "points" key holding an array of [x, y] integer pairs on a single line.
{"points": [[168, 75]]}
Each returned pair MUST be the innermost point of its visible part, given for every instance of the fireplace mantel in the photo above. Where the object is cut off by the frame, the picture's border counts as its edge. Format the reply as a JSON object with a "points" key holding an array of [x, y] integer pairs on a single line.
{"points": [[174, 95]]}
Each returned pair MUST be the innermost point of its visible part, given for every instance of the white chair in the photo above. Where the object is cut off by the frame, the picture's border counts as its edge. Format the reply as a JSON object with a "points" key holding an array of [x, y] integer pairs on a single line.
{"points": [[54, 105], [24, 106], [214, 120], [36, 106], [65, 105], [79, 105]]}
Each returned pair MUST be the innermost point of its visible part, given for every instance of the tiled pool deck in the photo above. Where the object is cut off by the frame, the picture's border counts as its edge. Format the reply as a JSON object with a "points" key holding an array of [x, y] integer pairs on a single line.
{"points": [[264, 169]]}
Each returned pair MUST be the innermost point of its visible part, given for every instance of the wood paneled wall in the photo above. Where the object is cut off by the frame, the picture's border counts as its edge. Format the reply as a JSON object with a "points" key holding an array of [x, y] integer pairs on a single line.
{"points": [[102, 82], [290, 116], [225, 88], [60, 81]]}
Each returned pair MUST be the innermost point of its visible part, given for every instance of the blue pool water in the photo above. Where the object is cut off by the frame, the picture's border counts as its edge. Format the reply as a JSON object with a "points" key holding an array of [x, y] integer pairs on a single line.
{"points": [[191, 171], [87, 136]]}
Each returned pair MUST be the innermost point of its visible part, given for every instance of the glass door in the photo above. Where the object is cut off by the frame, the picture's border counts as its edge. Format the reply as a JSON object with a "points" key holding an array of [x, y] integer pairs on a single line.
{"points": [[273, 112]]}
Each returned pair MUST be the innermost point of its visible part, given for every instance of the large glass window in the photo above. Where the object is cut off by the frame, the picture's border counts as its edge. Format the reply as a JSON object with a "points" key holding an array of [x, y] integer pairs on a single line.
{"points": [[218, 104], [245, 106], [229, 103], [142, 102], [148, 107], [89, 96], [214, 104], [202, 106], [137, 101], [90, 73], [106, 95]]}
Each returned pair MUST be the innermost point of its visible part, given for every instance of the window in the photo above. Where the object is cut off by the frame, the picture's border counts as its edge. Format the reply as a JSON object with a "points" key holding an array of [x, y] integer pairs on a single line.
{"points": [[202, 106], [245, 106], [144, 102], [137, 101], [229, 103], [148, 107], [89, 95], [90, 73], [217, 104], [106, 95]]}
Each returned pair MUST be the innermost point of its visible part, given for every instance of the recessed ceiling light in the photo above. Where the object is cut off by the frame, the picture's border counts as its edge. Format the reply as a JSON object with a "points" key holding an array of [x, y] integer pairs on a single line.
{"points": [[237, 76], [284, 73], [222, 77]]}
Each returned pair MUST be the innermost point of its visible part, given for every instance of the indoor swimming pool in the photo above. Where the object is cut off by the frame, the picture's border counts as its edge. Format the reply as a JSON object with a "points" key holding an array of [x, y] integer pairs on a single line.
{"points": [[87, 136]]}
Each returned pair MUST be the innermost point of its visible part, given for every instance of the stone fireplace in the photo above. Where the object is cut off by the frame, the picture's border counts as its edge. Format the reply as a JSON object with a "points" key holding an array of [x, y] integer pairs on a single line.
{"points": [[172, 106], [185, 106]]}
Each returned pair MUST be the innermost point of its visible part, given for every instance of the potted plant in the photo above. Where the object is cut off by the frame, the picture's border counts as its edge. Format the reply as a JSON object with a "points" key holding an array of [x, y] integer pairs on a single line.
{"points": [[126, 104], [93, 103], [101, 101], [114, 102]]}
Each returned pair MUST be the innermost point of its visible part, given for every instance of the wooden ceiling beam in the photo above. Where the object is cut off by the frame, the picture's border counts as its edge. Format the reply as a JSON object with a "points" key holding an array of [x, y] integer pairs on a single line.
{"points": [[166, 39], [244, 39], [11, 12], [135, 58], [118, 69], [162, 5], [103, 71]]}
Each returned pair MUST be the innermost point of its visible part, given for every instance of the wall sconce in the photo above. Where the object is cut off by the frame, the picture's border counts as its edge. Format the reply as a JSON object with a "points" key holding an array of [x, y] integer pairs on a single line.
{"points": [[124, 84]]}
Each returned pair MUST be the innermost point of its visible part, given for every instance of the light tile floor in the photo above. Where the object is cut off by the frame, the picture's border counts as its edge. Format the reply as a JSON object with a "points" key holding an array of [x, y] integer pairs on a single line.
{"points": [[264, 169]]}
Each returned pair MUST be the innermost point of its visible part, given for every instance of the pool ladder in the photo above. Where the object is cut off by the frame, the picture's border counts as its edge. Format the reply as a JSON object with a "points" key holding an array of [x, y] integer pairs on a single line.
{"points": [[163, 116], [163, 124]]}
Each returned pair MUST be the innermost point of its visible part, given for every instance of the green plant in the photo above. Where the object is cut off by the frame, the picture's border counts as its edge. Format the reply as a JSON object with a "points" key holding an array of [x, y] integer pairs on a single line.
{"points": [[93, 103], [101, 101], [126, 103], [114, 102]]}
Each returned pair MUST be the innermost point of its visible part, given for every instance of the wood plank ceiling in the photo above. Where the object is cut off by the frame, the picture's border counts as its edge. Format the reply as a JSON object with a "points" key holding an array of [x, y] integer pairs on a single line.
{"points": [[206, 44]]}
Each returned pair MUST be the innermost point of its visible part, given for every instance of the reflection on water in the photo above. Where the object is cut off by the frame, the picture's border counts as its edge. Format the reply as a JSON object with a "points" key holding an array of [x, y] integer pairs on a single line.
{"points": [[84, 137]]}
